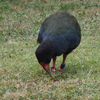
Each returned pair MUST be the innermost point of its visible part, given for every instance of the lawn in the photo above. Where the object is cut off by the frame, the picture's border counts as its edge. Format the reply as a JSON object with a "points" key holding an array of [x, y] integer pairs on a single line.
{"points": [[21, 76]]}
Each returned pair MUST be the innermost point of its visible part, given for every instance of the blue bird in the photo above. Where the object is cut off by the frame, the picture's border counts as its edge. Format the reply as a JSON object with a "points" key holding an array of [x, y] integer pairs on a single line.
{"points": [[59, 34]]}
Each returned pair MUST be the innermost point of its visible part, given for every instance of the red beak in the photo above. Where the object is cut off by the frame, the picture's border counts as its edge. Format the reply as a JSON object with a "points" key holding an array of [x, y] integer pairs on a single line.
{"points": [[46, 67]]}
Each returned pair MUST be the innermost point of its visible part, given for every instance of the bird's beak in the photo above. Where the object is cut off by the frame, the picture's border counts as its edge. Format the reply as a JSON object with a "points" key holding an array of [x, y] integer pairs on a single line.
{"points": [[46, 67]]}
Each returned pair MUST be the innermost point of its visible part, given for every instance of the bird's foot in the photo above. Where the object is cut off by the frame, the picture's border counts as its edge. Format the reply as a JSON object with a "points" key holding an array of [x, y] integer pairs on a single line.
{"points": [[53, 69], [62, 66]]}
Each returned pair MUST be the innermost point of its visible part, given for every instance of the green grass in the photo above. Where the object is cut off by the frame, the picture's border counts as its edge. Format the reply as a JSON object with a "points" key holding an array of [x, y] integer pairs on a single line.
{"points": [[22, 78]]}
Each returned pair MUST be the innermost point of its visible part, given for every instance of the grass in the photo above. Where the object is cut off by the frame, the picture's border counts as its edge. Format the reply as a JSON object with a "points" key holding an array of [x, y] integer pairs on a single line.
{"points": [[22, 78]]}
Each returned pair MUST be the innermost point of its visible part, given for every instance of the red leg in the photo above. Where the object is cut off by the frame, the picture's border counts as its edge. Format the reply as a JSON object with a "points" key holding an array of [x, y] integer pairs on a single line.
{"points": [[54, 61], [64, 58], [63, 62]]}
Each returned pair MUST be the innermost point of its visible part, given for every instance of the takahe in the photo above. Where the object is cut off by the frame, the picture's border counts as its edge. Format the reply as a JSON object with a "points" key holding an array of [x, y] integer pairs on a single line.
{"points": [[59, 34]]}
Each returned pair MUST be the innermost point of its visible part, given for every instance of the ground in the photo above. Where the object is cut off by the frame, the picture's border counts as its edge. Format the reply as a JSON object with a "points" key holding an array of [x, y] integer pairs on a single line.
{"points": [[22, 78]]}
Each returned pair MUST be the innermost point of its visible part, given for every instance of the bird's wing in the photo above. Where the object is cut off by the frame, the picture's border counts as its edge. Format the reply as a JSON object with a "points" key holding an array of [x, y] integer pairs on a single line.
{"points": [[40, 38], [42, 30]]}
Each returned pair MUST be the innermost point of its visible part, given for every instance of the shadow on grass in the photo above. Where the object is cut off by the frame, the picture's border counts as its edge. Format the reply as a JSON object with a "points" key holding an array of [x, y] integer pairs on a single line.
{"points": [[70, 71]]}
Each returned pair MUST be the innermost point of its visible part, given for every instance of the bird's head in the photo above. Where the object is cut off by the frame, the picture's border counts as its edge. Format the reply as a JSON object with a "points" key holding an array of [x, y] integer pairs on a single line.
{"points": [[44, 54]]}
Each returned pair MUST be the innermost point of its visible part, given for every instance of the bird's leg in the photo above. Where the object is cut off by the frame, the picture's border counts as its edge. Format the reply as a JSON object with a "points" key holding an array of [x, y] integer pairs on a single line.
{"points": [[63, 62], [54, 68]]}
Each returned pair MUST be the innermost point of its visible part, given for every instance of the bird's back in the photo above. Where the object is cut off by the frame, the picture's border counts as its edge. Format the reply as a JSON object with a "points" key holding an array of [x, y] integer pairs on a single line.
{"points": [[59, 24]]}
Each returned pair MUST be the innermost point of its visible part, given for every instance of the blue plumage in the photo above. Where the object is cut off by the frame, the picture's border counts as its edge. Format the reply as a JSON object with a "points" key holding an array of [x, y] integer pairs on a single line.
{"points": [[59, 34]]}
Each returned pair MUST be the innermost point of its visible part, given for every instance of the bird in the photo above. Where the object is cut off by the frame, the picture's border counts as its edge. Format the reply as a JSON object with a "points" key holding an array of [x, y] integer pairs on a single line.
{"points": [[59, 34]]}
